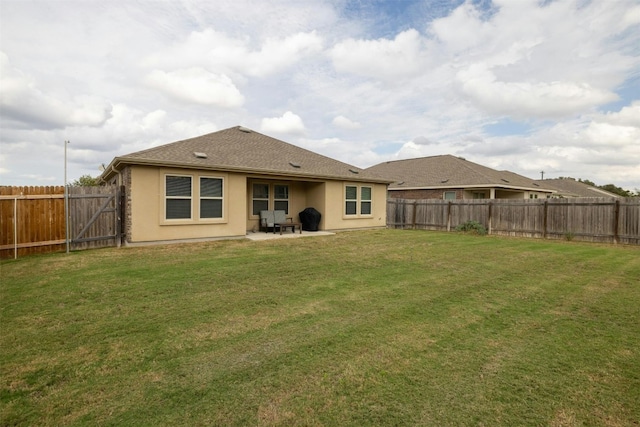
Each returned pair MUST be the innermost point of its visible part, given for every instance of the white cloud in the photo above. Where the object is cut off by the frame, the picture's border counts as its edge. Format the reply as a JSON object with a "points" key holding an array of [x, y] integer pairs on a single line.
{"points": [[277, 54], [23, 103], [529, 99], [222, 53], [627, 116], [289, 123], [382, 58], [345, 123], [196, 85]]}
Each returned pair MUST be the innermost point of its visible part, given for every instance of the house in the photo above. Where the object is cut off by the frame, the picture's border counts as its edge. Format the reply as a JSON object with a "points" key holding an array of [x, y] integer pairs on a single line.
{"points": [[449, 177], [569, 187], [215, 185]]}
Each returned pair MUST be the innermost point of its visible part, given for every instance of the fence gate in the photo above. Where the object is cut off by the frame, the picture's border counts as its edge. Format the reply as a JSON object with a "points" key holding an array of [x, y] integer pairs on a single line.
{"points": [[94, 217]]}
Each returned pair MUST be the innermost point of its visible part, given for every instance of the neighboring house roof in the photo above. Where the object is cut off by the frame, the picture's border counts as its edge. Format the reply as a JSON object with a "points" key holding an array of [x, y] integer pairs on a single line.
{"points": [[447, 171], [243, 150], [569, 187]]}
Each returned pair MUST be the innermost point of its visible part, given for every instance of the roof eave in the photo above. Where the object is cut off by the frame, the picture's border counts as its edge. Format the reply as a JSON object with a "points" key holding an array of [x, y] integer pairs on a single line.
{"points": [[119, 162], [444, 187]]}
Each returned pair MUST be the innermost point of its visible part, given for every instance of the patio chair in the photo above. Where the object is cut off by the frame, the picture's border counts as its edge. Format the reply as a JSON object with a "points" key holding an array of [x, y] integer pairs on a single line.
{"points": [[267, 220]]}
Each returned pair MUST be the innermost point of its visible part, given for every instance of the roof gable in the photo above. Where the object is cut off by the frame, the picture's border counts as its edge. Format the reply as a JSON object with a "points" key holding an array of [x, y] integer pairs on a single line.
{"points": [[242, 149], [447, 171]]}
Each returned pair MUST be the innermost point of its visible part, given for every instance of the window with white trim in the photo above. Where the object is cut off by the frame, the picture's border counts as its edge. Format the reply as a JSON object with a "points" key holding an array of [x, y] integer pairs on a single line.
{"points": [[449, 195], [351, 200], [281, 198], [266, 196], [211, 197], [365, 200], [178, 191], [260, 198], [357, 200]]}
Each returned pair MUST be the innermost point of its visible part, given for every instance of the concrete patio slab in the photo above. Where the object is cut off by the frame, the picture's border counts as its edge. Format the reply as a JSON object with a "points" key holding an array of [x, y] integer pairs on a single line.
{"points": [[285, 235]]}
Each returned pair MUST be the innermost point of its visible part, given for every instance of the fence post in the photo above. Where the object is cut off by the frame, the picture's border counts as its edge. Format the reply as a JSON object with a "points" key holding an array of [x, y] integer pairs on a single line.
{"points": [[15, 228], [544, 219], [489, 224], [449, 216], [616, 222], [413, 218]]}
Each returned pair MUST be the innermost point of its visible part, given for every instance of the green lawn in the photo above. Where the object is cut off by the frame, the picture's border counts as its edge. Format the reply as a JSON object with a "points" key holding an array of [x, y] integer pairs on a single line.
{"points": [[369, 328]]}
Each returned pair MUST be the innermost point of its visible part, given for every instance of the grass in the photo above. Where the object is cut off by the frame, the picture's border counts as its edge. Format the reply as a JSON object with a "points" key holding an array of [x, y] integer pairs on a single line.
{"points": [[383, 327]]}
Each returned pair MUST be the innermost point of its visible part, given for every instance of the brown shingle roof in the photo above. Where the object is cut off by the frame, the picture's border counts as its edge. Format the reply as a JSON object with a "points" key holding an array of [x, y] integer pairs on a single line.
{"points": [[242, 149], [569, 187], [449, 171]]}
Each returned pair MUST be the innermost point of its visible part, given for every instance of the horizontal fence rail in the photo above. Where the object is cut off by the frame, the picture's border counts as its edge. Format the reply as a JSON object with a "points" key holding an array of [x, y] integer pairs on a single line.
{"points": [[32, 219], [609, 220]]}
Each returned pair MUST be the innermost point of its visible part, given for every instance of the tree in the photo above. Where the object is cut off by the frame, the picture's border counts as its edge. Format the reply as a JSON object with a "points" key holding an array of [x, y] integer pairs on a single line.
{"points": [[586, 181], [616, 190], [85, 181]]}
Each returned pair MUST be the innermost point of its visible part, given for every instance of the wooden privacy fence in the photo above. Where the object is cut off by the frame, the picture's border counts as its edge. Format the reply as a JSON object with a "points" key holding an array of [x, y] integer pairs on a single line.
{"points": [[32, 219], [608, 220]]}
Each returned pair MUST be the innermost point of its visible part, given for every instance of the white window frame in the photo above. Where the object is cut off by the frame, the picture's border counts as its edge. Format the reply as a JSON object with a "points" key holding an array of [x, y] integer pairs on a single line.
{"points": [[271, 199], [201, 197], [359, 201], [167, 197], [196, 198], [281, 200], [254, 198], [444, 195], [362, 200]]}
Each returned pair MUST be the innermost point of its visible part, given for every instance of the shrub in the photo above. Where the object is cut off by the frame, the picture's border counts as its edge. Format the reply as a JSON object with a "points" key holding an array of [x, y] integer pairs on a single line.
{"points": [[472, 227]]}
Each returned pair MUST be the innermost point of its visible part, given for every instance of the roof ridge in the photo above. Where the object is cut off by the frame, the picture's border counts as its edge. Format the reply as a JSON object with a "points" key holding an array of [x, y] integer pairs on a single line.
{"points": [[293, 145], [419, 158]]}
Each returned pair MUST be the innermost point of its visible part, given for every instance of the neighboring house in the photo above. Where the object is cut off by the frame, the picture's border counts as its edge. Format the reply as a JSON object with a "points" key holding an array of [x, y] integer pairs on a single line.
{"points": [[215, 185], [451, 178], [569, 187]]}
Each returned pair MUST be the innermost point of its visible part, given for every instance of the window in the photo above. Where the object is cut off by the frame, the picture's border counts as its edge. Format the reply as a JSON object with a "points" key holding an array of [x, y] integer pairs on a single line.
{"points": [[357, 200], [269, 197], [178, 197], [281, 198], [365, 200], [260, 198], [210, 197], [479, 195], [533, 196], [449, 195], [351, 200]]}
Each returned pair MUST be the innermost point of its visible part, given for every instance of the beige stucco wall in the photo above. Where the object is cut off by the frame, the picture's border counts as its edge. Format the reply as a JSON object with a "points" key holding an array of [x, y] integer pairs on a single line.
{"points": [[334, 217], [147, 207]]}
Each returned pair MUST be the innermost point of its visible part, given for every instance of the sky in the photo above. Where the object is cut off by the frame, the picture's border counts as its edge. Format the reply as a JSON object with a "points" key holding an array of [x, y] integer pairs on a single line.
{"points": [[519, 85]]}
